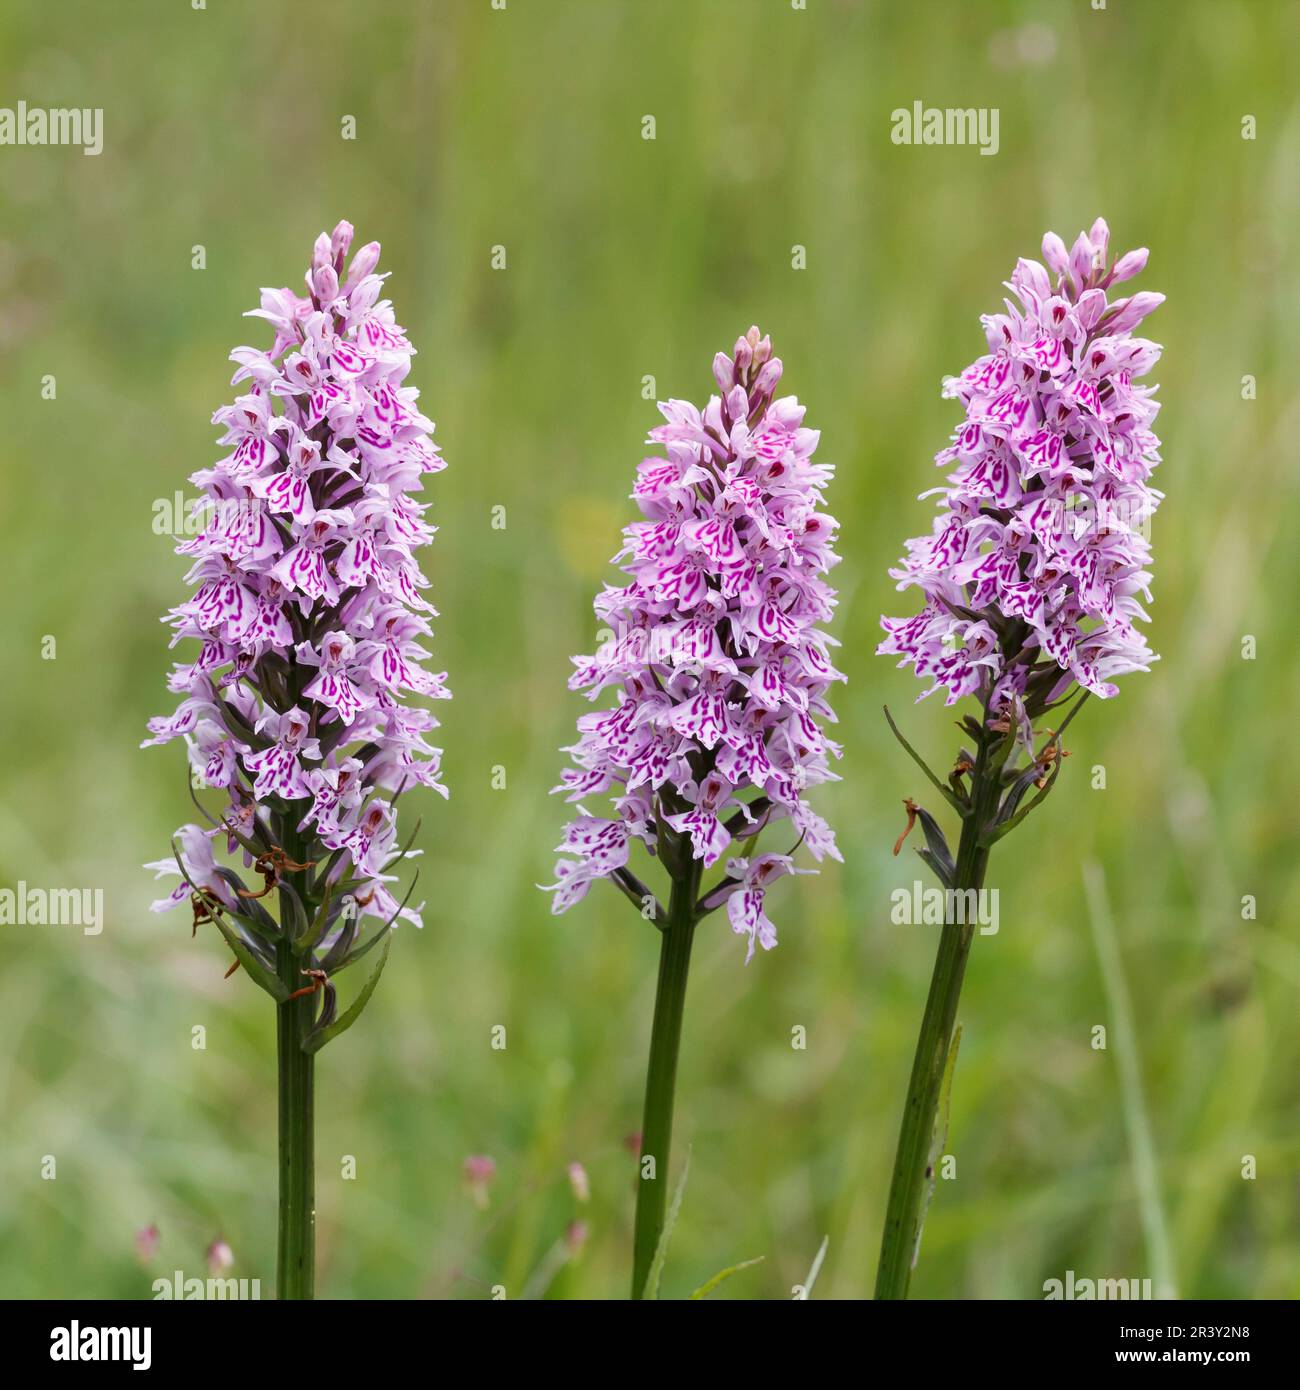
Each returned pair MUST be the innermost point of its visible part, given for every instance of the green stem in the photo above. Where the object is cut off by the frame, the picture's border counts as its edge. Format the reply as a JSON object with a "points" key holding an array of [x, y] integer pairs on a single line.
{"points": [[296, 1250], [661, 1075], [906, 1210]]}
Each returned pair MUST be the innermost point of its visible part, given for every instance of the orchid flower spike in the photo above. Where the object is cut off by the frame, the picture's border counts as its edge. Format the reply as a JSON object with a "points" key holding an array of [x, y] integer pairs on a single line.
{"points": [[1035, 571], [309, 611], [716, 653]]}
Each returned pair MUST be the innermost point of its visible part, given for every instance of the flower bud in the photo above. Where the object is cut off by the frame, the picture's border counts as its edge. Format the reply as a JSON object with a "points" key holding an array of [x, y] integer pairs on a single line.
{"points": [[325, 284], [362, 264], [220, 1256], [321, 254], [724, 372], [340, 243], [768, 378], [1131, 263], [1082, 259], [1055, 254], [1131, 312]]}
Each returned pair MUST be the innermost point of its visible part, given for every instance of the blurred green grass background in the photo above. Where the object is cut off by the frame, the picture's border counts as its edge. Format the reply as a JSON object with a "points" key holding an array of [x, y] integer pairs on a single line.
{"points": [[629, 258]]}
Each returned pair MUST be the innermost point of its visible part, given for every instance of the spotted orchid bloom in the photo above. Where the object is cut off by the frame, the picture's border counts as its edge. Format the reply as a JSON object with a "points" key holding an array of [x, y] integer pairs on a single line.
{"points": [[746, 892], [1034, 574], [309, 601], [715, 654], [200, 868]]}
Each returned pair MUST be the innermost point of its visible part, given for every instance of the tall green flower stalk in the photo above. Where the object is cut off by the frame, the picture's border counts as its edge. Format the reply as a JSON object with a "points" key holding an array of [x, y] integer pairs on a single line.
{"points": [[720, 671], [989, 804], [677, 937], [308, 612], [295, 1020], [1033, 576]]}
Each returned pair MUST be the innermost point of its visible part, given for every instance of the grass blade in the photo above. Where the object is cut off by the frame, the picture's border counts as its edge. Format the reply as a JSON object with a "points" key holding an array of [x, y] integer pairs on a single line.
{"points": [[723, 1275], [661, 1250]]}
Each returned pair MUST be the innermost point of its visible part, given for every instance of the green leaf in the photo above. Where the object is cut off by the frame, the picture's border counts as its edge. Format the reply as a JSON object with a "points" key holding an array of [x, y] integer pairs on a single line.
{"points": [[315, 934], [1008, 816], [317, 1039], [946, 792], [350, 884], [294, 921], [991, 837], [1025, 778], [1002, 749], [322, 877], [257, 972], [656, 1269], [237, 725], [254, 916], [337, 956], [723, 1275], [938, 1137], [354, 953]]}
